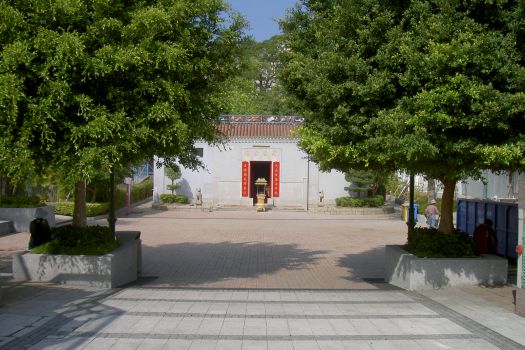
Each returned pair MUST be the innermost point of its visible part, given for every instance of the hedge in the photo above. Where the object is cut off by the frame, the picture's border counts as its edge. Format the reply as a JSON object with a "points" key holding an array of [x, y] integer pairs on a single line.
{"points": [[10, 201], [92, 209], [369, 202], [139, 191], [430, 243], [69, 240], [173, 198]]}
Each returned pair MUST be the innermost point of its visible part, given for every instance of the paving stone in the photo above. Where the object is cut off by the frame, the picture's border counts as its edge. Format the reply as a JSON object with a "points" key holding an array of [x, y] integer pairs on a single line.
{"points": [[153, 344], [229, 345], [232, 326], [178, 344], [203, 345], [320, 301]]}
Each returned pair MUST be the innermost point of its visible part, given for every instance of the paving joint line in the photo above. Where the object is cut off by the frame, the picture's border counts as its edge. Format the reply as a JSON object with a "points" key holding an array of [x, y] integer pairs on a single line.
{"points": [[308, 302], [469, 324], [270, 338], [273, 316], [50, 327]]}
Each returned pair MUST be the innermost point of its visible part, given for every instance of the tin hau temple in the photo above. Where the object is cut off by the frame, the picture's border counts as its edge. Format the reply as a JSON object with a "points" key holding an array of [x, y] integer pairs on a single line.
{"points": [[258, 147]]}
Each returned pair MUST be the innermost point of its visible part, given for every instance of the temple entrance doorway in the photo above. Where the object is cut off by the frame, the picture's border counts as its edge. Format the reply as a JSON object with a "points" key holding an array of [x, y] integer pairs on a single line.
{"points": [[257, 170]]}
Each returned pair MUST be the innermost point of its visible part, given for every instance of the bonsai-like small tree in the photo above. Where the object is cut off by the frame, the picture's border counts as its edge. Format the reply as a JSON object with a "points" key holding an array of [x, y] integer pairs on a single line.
{"points": [[173, 173], [360, 181]]}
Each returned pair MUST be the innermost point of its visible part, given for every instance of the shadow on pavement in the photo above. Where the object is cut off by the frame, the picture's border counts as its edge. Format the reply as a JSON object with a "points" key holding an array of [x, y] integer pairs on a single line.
{"points": [[365, 266], [193, 264]]}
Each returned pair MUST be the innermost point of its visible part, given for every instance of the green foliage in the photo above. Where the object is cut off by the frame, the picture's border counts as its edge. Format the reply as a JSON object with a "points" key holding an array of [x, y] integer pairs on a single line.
{"points": [[431, 243], [360, 181], [139, 191], [421, 199], [172, 188], [68, 240], [142, 190], [92, 209], [257, 91], [174, 198], [426, 86], [369, 202], [11, 201], [88, 85], [172, 171]]}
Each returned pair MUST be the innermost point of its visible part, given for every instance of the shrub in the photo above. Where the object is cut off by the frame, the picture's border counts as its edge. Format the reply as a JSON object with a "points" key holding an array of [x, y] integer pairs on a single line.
{"points": [[142, 190], [421, 199], [139, 191], [20, 201], [431, 243], [92, 209], [173, 198], [369, 202], [69, 240]]}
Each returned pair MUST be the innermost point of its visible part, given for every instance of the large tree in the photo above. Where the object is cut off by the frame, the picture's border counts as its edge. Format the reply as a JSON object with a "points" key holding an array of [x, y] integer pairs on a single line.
{"points": [[257, 89], [95, 84], [430, 87]]}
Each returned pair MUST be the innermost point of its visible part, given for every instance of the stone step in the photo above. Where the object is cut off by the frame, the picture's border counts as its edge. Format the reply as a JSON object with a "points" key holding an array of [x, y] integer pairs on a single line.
{"points": [[6, 227]]}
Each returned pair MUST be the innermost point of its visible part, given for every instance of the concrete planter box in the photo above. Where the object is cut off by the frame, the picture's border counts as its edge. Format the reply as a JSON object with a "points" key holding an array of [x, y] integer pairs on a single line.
{"points": [[407, 271], [22, 217], [520, 301], [103, 271]]}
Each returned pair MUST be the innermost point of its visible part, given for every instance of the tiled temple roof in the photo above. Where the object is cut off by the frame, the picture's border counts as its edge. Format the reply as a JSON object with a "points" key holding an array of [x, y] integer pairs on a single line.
{"points": [[258, 126]]}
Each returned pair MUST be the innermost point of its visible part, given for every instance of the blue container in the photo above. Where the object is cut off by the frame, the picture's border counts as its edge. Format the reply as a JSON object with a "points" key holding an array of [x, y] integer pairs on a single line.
{"points": [[471, 213]]}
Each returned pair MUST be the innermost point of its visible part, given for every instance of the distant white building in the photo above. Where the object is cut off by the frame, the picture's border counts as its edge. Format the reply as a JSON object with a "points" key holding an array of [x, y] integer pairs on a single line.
{"points": [[259, 146], [504, 186]]}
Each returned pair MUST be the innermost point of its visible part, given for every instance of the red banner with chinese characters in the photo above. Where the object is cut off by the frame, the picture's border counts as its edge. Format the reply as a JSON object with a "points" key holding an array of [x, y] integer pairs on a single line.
{"points": [[245, 169], [276, 178]]}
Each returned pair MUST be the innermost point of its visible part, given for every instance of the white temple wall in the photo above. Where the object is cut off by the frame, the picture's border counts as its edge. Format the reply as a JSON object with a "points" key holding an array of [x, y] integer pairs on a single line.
{"points": [[221, 181]]}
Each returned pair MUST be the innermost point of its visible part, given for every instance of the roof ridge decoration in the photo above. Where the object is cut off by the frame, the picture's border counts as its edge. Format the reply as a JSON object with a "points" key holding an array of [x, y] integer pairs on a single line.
{"points": [[247, 118]]}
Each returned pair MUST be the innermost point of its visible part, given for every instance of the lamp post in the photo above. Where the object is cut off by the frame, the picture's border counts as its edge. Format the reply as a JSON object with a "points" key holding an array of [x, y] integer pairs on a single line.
{"points": [[308, 183], [111, 216], [411, 223]]}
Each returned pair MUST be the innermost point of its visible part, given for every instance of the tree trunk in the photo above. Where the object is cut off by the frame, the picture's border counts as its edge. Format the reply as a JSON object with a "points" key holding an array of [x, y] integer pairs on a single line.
{"points": [[431, 189], [446, 224], [79, 212]]}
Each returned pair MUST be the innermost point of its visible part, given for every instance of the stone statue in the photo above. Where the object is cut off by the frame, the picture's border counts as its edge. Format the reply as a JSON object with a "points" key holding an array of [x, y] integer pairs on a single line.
{"points": [[198, 197]]}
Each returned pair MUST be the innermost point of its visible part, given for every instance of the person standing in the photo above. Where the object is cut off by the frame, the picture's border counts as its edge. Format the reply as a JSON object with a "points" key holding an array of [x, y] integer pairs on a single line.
{"points": [[432, 214], [485, 241]]}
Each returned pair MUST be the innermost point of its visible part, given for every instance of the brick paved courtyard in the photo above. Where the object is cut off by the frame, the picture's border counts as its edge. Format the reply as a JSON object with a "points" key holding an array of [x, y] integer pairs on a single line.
{"points": [[276, 249], [206, 283]]}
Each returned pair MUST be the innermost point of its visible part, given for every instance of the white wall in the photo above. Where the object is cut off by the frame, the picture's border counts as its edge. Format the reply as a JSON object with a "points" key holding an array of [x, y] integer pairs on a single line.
{"points": [[221, 182], [499, 186]]}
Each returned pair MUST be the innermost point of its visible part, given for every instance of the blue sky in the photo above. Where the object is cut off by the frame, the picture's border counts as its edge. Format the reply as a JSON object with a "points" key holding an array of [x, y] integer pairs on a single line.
{"points": [[262, 15]]}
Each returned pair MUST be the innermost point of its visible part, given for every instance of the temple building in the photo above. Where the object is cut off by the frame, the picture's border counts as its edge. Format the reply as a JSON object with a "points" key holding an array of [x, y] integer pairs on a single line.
{"points": [[258, 147]]}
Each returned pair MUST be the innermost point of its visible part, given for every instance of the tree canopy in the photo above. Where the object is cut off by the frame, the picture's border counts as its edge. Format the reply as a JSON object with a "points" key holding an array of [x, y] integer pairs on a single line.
{"points": [[257, 90], [85, 85], [431, 87]]}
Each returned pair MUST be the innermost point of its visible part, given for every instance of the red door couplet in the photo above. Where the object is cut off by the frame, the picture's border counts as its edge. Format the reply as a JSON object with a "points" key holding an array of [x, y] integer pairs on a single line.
{"points": [[276, 178], [245, 178]]}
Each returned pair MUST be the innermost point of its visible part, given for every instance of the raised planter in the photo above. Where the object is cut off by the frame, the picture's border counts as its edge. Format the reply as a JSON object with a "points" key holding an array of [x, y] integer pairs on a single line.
{"points": [[407, 271], [520, 301], [22, 217], [103, 271]]}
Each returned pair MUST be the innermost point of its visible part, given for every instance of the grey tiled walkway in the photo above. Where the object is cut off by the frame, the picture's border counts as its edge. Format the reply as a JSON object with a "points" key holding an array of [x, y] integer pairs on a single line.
{"points": [[142, 318]]}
